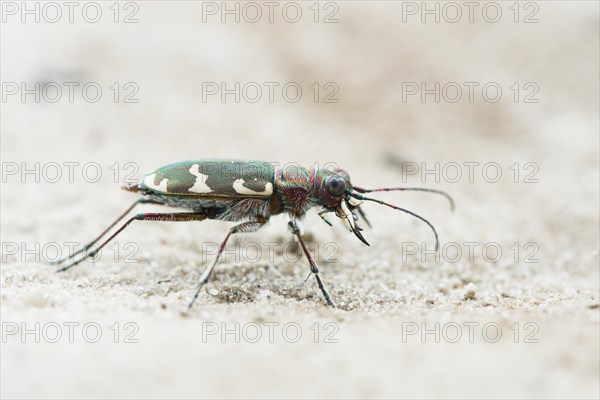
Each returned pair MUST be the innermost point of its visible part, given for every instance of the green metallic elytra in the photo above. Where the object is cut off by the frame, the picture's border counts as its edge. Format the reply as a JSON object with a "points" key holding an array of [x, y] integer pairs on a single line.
{"points": [[213, 178]]}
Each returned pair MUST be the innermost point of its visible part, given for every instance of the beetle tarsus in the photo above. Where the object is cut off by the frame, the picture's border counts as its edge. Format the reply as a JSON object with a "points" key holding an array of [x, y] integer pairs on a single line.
{"points": [[325, 292]]}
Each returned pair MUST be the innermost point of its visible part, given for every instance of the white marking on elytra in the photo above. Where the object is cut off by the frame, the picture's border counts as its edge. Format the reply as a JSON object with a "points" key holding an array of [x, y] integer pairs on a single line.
{"points": [[161, 187], [200, 185], [238, 186]]}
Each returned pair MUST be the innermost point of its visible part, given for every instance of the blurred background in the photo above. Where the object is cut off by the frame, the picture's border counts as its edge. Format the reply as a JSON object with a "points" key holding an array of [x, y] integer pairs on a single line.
{"points": [[386, 90]]}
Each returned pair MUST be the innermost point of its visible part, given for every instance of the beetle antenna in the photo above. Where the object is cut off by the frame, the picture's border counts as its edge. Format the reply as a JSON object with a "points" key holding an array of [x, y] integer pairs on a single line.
{"points": [[446, 195], [361, 197]]}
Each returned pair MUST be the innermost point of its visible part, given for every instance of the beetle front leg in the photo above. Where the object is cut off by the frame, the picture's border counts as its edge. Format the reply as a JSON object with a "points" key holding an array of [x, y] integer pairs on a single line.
{"points": [[324, 218], [244, 227], [314, 268]]}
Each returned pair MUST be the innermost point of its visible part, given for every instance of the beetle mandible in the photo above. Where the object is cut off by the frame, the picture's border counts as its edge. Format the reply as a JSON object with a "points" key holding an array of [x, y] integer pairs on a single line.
{"points": [[248, 192]]}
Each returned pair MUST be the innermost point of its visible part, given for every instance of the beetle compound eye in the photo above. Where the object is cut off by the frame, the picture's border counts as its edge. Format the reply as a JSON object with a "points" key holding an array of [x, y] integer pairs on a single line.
{"points": [[335, 185]]}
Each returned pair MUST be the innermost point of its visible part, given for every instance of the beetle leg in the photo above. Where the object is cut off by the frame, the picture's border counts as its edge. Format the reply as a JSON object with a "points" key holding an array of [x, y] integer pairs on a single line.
{"points": [[314, 268], [181, 216], [93, 242], [321, 214], [244, 227]]}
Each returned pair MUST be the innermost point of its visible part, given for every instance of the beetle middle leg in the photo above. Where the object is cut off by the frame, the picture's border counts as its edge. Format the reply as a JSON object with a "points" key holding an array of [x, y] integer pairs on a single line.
{"points": [[314, 268], [244, 227], [179, 216]]}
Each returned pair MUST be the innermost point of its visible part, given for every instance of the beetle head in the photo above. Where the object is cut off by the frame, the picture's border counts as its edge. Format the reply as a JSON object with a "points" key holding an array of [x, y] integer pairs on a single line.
{"points": [[331, 189]]}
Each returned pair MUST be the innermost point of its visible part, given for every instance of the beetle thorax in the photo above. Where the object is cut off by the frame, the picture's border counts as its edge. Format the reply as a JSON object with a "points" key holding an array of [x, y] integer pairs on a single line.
{"points": [[294, 186]]}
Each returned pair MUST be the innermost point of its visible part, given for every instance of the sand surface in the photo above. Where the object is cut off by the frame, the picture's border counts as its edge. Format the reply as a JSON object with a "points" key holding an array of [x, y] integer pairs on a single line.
{"points": [[524, 323]]}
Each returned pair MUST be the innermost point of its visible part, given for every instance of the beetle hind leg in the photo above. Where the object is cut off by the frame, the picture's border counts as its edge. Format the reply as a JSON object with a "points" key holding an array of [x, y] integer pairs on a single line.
{"points": [[105, 231], [173, 217]]}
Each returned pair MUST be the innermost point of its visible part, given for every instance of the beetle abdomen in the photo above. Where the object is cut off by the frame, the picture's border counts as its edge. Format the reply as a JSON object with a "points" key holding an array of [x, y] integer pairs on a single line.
{"points": [[212, 178]]}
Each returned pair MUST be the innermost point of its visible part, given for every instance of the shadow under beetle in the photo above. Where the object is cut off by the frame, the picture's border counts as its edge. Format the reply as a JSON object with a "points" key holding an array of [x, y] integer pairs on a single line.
{"points": [[248, 192]]}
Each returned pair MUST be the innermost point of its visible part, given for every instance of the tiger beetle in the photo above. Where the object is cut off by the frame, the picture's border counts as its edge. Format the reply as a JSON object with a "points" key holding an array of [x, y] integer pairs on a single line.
{"points": [[248, 192]]}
